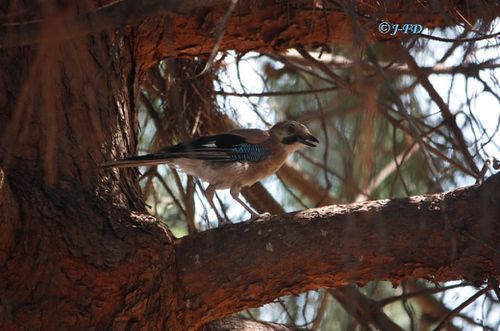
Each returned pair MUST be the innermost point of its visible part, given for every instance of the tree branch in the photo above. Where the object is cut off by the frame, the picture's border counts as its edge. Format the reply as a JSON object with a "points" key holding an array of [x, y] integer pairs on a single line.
{"points": [[248, 264], [114, 15], [243, 324], [342, 62], [433, 310], [260, 199], [191, 30], [458, 309], [308, 187], [363, 309]]}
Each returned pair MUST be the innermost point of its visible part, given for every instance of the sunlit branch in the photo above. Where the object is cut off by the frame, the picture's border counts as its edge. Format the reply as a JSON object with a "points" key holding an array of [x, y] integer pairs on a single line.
{"points": [[275, 93]]}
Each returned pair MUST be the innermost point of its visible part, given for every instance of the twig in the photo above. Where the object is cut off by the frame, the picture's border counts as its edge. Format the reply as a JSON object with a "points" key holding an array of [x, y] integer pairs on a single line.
{"points": [[448, 117], [493, 283], [275, 93], [167, 188], [480, 176], [218, 40], [460, 40], [408, 295], [336, 78], [464, 304]]}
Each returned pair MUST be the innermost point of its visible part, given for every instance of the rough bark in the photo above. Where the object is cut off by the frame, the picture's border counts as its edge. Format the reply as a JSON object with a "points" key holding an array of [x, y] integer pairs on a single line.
{"points": [[9, 217]]}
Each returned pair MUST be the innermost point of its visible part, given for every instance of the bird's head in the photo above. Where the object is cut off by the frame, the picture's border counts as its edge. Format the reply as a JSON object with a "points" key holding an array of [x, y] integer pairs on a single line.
{"points": [[293, 134]]}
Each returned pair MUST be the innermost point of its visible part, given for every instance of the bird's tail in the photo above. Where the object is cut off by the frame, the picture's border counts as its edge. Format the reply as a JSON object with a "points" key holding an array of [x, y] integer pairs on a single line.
{"points": [[137, 161]]}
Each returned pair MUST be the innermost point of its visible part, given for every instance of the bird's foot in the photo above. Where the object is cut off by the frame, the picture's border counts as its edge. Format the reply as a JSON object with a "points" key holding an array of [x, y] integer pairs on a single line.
{"points": [[260, 217]]}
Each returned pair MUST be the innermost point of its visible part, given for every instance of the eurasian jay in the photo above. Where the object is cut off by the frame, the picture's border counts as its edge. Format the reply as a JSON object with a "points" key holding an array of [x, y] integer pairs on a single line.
{"points": [[230, 160]]}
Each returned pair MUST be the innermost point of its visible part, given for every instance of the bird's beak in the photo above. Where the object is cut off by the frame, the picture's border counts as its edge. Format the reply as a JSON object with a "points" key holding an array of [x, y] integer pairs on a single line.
{"points": [[308, 140]]}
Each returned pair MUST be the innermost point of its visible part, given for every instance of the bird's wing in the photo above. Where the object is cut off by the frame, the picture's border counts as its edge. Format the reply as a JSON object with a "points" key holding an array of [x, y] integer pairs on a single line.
{"points": [[234, 146], [252, 136]]}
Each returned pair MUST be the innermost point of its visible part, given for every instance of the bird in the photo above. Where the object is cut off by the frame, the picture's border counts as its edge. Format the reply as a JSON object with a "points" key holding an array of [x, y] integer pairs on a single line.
{"points": [[229, 160]]}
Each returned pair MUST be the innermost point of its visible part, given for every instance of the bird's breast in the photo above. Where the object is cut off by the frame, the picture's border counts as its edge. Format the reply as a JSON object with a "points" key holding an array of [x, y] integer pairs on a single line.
{"points": [[220, 174], [257, 171], [225, 174]]}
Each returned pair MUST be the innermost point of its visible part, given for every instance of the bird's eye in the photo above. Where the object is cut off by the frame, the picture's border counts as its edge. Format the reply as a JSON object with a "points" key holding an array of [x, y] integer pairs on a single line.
{"points": [[290, 128]]}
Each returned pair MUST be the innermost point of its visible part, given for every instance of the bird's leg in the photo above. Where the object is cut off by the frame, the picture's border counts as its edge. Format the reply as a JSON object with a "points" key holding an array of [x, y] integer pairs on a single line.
{"points": [[209, 194], [235, 193]]}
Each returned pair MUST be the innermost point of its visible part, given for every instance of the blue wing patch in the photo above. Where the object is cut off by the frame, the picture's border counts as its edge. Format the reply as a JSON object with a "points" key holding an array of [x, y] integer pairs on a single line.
{"points": [[245, 152]]}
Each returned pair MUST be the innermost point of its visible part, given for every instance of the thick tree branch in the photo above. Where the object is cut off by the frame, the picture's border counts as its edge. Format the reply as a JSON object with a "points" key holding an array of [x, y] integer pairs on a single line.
{"points": [[229, 269], [112, 16], [187, 27]]}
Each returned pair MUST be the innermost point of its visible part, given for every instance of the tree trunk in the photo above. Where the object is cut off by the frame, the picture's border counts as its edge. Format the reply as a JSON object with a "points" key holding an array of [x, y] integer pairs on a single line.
{"points": [[78, 251]]}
